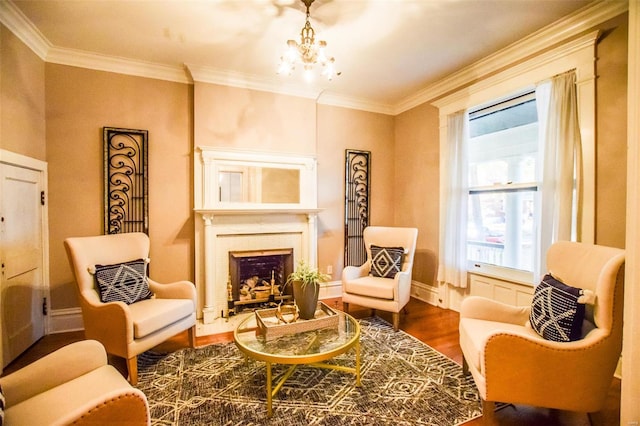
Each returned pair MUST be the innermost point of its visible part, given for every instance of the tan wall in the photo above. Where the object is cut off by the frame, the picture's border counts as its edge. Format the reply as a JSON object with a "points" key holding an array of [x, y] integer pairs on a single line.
{"points": [[22, 97], [79, 103], [611, 88], [404, 173], [340, 129], [229, 117], [417, 180]]}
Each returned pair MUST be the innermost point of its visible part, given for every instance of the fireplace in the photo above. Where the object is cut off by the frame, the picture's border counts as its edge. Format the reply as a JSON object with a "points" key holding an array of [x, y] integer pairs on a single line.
{"points": [[258, 277], [252, 225]]}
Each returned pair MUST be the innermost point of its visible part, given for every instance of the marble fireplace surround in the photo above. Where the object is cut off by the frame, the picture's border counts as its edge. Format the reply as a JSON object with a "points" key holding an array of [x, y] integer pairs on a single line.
{"points": [[224, 227]]}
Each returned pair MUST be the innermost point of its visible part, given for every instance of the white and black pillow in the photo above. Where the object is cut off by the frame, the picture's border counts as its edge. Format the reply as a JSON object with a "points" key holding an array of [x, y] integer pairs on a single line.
{"points": [[2, 402], [386, 262], [123, 282], [556, 311]]}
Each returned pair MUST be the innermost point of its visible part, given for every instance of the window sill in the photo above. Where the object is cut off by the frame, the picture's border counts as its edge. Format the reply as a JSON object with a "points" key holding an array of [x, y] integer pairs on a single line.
{"points": [[505, 274]]}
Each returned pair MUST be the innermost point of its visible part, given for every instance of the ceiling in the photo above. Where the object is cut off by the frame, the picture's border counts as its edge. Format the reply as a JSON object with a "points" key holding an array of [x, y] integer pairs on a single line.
{"points": [[386, 50]]}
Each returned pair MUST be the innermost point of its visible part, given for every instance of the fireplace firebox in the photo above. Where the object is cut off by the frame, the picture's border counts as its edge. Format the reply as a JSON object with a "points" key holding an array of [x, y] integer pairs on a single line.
{"points": [[258, 277]]}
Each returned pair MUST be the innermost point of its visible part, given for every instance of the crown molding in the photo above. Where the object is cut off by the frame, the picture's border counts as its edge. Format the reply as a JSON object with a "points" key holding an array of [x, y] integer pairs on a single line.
{"points": [[567, 27], [13, 18], [334, 99], [83, 59], [204, 74], [457, 100]]}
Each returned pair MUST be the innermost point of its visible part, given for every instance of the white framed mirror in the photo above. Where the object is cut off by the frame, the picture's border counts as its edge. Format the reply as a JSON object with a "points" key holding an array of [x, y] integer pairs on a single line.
{"points": [[252, 180]]}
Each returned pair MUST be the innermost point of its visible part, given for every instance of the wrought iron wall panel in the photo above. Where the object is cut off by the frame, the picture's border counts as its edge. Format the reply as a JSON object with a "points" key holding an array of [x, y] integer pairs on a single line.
{"points": [[126, 183], [356, 215]]}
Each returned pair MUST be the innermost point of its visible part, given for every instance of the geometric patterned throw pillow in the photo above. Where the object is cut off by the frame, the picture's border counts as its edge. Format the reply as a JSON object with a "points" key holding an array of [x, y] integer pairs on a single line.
{"points": [[556, 313], [1, 407], [123, 282], [386, 262]]}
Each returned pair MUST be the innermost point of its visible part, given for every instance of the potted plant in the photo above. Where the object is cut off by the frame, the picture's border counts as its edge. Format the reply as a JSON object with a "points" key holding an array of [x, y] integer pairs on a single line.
{"points": [[306, 287]]}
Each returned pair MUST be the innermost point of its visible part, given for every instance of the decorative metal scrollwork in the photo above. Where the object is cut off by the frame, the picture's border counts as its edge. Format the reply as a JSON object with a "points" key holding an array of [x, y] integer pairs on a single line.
{"points": [[126, 183], [356, 216]]}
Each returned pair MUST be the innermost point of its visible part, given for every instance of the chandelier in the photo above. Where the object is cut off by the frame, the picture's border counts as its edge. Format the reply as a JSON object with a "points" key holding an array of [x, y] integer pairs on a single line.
{"points": [[307, 53]]}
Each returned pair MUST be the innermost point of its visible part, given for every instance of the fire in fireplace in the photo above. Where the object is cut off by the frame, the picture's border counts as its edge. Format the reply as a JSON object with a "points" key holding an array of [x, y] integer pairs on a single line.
{"points": [[257, 277]]}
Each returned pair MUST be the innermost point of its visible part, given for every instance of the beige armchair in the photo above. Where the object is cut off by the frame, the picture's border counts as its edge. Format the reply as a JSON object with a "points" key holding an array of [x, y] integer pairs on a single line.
{"points": [[127, 330], [361, 287], [73, 385], [511, 363]]}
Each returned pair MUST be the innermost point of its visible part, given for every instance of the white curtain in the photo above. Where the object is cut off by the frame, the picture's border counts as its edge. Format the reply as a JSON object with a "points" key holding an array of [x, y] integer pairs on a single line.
{"points": [[454, 197], [560, 156]]}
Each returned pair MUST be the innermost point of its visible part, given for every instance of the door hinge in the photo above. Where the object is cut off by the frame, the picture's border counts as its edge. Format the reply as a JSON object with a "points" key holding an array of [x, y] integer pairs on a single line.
{"points": [[44, 306], [42, 197]]}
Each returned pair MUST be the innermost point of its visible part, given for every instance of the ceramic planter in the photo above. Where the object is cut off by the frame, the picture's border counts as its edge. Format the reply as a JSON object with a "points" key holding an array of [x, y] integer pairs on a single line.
{"points": [[306, 297]]}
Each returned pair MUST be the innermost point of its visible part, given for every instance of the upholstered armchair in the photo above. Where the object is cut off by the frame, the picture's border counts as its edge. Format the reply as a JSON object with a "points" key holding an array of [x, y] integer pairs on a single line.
{"points": [[512, 363], [384, 281], [127, 328], [73, 385]]}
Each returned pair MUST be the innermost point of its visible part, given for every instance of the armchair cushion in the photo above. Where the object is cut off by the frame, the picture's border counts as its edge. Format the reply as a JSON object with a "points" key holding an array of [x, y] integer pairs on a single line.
{"points": [[369, 286], [151, 315], [556, 312], [386, 262], [123, 282]]}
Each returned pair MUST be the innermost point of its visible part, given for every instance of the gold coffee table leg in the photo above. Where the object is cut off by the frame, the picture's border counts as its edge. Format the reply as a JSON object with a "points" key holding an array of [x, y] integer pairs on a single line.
{"points": [[269, 396], [358, 363]]}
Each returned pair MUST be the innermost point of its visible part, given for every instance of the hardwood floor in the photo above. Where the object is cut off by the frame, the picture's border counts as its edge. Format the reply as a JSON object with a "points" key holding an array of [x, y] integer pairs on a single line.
{"points": [[432, 325]]}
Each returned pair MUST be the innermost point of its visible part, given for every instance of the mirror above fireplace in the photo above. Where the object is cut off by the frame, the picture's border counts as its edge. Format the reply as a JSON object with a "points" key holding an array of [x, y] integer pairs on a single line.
{"points": [[247, 180]]}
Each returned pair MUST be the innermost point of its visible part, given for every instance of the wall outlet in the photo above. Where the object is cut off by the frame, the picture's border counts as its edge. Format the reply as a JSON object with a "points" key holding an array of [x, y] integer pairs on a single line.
{"points": [[329, 269]]}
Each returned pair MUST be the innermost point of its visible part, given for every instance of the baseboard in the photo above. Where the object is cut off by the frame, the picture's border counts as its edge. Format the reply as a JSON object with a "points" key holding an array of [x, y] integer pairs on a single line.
{"points": [[64, 320], [330, 290], [424, 292]]}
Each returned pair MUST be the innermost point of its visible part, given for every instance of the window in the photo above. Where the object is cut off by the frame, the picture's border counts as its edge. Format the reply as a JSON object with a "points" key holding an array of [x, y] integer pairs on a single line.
{"points": [[502, 161], [492, 209]]}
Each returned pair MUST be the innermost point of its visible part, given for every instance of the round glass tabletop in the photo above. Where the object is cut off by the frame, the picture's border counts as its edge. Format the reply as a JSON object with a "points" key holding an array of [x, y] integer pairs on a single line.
{"points": [[298, 348]]}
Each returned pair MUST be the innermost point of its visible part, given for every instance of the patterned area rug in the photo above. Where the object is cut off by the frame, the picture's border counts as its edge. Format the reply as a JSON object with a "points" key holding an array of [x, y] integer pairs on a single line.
{"points": [[404, 382]]}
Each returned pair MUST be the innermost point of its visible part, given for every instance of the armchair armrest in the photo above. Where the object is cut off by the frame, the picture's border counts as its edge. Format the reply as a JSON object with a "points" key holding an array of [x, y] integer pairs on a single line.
{"points": [[542, 369], [176, 290], [122, 406], [353, 272], [61, 366], [402, 286], [477, 307], [107, 322]]}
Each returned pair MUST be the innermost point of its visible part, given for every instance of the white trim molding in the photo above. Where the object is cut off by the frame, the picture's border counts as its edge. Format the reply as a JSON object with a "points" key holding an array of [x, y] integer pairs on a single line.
{"points": [[564, 29], [424, 292], [65, 320]]}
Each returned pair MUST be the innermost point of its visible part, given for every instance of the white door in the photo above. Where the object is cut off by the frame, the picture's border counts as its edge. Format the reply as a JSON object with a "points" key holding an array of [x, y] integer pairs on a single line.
{"points": [[21, 255]]}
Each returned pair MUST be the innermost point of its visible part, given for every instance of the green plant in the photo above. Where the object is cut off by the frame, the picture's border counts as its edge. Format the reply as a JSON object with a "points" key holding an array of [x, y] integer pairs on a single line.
{"points": [[307, 275]]}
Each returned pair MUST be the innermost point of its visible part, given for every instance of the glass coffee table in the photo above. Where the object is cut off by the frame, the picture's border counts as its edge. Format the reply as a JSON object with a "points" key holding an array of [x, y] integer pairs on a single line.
{"points": [[308, 348]]}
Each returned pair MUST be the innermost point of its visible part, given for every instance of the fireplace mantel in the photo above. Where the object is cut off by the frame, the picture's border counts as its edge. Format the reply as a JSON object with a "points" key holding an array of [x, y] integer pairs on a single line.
{"points": [[256, 211]]}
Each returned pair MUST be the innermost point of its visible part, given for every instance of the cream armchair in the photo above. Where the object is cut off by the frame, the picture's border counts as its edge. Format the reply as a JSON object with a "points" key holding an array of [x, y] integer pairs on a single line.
{"points": [[386, 294], [127, 330], [73, 385], [510, 362]]}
